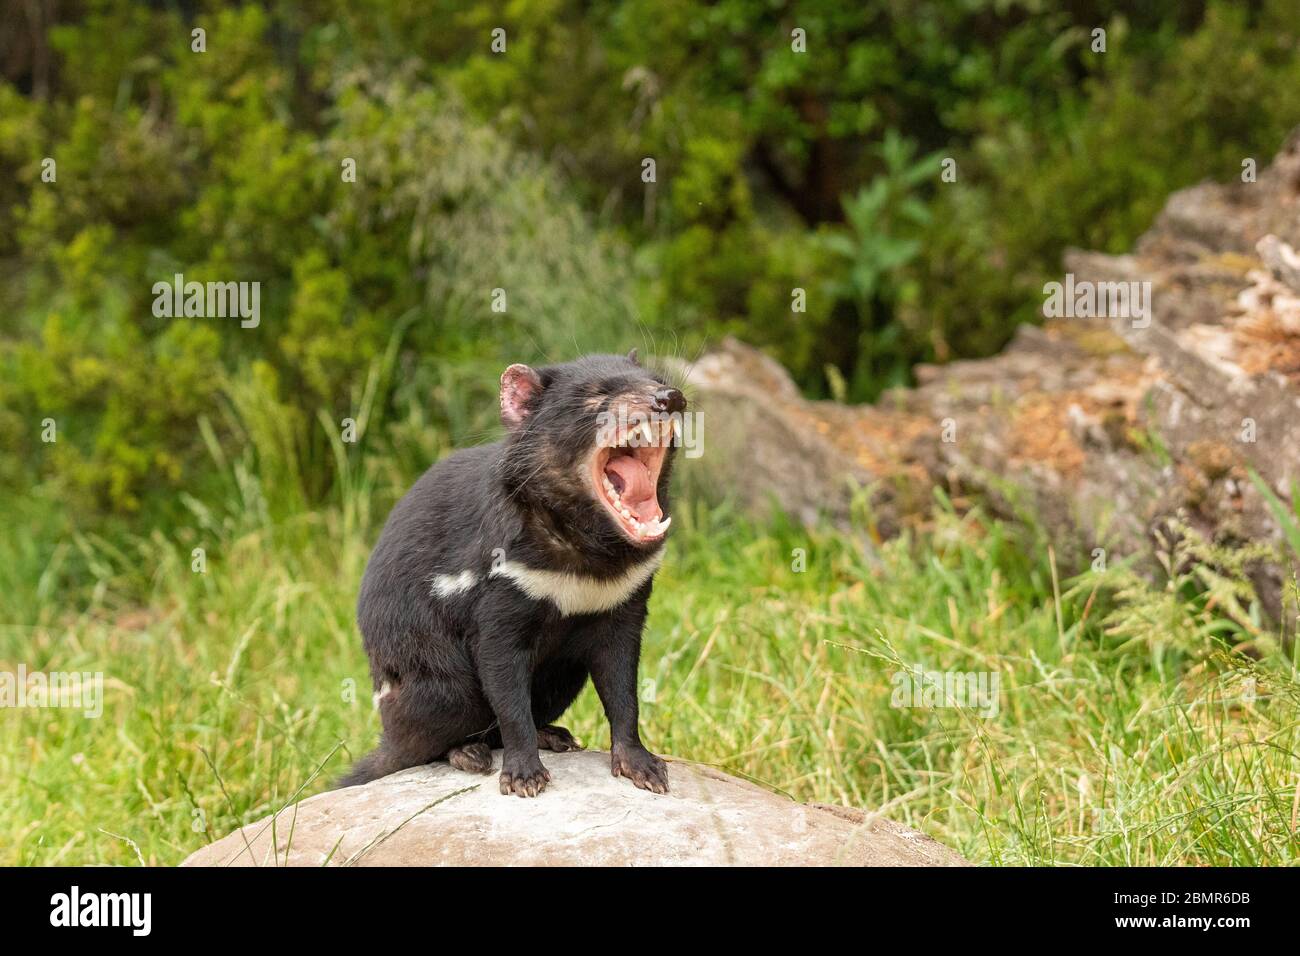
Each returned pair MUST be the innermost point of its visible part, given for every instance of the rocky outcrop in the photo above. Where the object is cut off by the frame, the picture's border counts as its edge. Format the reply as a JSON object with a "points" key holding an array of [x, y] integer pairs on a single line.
{"points": [[437, 816], [1099, 428]]}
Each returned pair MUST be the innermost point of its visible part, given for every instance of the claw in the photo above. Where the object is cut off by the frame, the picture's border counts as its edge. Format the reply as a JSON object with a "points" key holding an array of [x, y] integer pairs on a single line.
{"points": [[472, 758], [556, 739], [643, 768], [528, 782]]}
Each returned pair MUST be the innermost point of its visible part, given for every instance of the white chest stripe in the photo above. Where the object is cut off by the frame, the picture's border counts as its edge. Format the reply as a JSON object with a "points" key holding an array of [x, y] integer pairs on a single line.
{"points": [[578, 593], [445, 585]]}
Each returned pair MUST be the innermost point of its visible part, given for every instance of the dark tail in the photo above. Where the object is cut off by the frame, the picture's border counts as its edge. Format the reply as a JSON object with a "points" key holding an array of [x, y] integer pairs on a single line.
{"points": [[380, 762]]}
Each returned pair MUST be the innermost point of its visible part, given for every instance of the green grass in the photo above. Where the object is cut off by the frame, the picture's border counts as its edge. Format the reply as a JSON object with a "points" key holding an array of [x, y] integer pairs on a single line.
{"points": [[1128, 730]]}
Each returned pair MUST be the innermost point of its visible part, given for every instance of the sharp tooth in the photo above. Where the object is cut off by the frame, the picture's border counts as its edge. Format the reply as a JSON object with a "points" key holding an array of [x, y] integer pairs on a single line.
{"points": [[645, 431], [677, 429], [664, 523]]}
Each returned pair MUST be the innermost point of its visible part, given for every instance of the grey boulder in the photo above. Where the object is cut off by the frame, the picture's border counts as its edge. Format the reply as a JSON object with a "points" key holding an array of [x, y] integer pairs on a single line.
{"points": [[438, 816]]}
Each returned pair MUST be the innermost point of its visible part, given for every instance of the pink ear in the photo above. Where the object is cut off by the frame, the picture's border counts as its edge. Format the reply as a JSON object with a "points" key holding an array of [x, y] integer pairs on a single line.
{"points": [[519, 386]]}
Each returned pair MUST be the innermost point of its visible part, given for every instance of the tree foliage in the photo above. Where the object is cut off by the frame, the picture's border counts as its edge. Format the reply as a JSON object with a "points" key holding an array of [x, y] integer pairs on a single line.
{"points": [[778, 167]]}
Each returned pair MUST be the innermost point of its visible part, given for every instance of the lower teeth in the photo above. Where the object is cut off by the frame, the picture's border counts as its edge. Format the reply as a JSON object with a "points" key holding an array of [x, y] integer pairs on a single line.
{"points": [[655, 526]]}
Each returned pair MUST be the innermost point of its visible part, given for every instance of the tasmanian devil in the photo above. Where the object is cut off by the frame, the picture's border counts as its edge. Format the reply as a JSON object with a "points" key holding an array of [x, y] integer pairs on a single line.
{"points": [[511, 572]]}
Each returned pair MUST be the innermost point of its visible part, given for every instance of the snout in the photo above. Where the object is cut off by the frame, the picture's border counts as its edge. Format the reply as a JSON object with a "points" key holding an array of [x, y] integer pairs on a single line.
{"points": [[668, 400]]}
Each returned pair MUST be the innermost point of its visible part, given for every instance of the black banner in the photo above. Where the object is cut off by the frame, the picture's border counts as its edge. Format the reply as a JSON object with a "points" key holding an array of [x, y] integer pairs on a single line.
{"points": [[368, 905]]}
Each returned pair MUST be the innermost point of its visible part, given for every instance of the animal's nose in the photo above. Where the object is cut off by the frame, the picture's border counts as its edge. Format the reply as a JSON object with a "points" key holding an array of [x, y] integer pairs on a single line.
{"points": [[669, 400]]}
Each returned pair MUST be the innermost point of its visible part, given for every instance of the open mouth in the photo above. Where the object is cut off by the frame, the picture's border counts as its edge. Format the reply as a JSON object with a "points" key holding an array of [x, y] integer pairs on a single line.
{"points": [[626, 478]]}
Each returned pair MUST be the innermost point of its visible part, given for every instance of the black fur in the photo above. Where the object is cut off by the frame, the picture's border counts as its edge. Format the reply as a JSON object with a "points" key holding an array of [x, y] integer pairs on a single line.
{"points": [[493, 665]]}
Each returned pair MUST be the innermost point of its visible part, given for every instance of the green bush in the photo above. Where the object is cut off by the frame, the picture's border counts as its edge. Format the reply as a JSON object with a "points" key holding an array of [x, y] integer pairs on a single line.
{"points": [[776, 171], [442, 212]]}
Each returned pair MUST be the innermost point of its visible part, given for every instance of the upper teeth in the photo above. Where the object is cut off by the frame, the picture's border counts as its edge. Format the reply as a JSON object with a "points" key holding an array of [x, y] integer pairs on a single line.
{"points": [[653, 432]]}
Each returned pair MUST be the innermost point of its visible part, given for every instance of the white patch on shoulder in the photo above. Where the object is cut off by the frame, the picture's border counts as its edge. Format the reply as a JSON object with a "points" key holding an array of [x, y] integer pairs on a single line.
{"points": [[578, 593], [445, 585]]}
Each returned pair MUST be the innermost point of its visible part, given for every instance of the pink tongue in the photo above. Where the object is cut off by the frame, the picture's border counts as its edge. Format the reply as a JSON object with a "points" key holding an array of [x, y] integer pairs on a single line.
{"points": [[638, 494]]}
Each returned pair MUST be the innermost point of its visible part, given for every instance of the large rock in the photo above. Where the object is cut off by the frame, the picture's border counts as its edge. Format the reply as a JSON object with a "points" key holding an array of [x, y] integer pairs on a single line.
{"points": [[1102, 430], [437, 816]]}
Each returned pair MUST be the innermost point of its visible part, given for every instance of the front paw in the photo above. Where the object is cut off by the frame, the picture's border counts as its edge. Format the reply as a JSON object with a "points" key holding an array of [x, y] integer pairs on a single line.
{"points": [[641, 767], [523, 775]]}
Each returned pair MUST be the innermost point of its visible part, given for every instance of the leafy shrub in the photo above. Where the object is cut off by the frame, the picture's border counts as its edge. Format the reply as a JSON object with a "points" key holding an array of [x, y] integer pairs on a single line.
{"points": [[776, 171], [216, 182]]}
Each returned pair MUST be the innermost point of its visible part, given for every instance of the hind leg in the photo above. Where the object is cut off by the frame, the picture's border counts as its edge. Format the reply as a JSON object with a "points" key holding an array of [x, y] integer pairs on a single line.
{"points": [[424, 720], [555, 686], [550, 737], [556, 739], [473, 757]]}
